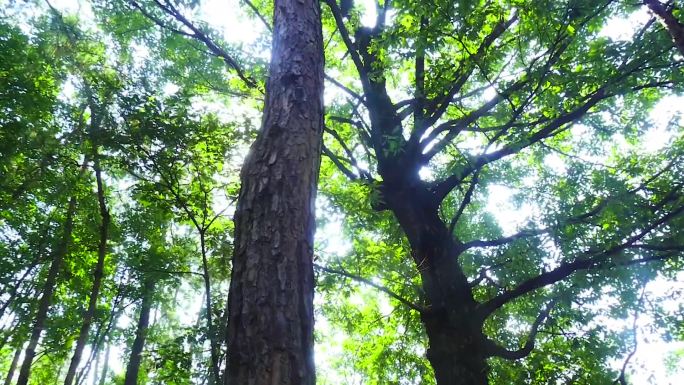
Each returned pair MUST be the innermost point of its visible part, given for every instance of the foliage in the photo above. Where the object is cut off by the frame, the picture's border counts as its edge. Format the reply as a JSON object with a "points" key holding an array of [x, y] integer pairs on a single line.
{"points": [[518, 128]]}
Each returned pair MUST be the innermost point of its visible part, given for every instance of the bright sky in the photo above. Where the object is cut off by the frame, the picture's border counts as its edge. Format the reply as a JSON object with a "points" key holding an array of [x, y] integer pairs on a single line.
{"points": [[649, 364]]}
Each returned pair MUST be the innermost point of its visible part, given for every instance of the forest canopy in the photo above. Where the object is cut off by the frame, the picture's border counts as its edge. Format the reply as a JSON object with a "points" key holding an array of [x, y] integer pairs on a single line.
{"points": [[500, 197]]}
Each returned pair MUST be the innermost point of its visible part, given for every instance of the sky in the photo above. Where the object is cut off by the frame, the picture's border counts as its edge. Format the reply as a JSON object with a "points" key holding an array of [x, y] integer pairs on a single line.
{"points": [[648, 366]]}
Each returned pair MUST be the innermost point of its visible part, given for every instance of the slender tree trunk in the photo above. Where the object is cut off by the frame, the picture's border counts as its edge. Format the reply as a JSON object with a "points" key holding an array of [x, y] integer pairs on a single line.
{"points": [[135, 359], [457, 346], [97, 277], [13, 366], [215, 376], [270, 326], [48, 289], [105, 367], [95, 368]]}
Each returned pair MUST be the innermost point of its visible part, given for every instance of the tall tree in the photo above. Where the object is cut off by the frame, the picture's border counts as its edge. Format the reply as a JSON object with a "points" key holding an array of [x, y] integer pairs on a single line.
{"points": [[141, 331], [270, 308], [491, 164], [57, 259], [487, 92]]}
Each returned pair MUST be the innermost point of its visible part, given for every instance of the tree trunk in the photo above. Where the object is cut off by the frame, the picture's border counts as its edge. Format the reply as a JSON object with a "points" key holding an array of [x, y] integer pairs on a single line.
{"points": [[456, 356], [105, 367], [135, 359], [49, 288], [270, 325], [13, 366], [96, 366], [214, 377], [97, 278], [457, 346]]}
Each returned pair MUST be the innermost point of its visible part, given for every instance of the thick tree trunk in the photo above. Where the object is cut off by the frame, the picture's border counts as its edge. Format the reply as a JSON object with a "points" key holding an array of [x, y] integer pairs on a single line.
{"points": [[270, 326], [457, 356], [456, 343], [97, 278], [13, 366], [48, 289], [135, 358]]}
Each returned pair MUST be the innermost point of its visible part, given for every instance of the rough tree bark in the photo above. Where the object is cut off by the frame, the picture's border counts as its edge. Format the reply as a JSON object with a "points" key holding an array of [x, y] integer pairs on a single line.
{"points": [[97, 277], [270, 317], [49, 288], [135, 358]]}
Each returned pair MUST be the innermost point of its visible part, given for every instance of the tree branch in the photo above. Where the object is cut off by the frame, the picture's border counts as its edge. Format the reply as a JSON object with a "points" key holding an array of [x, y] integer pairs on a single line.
{"points": [[495, 350], [669, 21], [198, 35], [336, 160], [368, 282], [592, 260], [344, 32]]}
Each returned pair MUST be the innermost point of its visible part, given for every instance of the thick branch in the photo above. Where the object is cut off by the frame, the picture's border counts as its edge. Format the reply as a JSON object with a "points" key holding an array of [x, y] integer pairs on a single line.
{"points": [[591, 260]]}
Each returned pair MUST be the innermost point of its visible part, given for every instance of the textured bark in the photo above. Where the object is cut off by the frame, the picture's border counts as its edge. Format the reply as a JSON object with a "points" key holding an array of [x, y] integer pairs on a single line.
{"points": [[270, 325], [48, 289], [669, 21], [135, 358], [13, 366]]}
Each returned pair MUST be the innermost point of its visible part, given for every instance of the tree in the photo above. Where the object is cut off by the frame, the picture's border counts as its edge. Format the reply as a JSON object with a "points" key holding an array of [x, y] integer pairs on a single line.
{"points": [[270, 308], [473, 279], [492, 209]]}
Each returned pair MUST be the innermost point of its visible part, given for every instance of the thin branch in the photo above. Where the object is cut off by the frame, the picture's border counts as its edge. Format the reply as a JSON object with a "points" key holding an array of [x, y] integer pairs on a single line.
{"points": [[336, 160], [259, 15], [346, 89], [558, 124], [622, 378], [344, 32], [368, 282], [198, 35], [465, 202], [499, 351]]}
